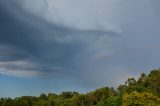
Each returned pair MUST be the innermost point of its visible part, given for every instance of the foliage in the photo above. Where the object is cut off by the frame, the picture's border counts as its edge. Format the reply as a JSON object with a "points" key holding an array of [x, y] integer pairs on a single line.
{"points": [[145, 91], [139, 99]]}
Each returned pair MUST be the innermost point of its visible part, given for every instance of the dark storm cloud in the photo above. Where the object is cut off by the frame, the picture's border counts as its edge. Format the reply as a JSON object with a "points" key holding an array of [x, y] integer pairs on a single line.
{"points": [[77, 39], [39, 45]]}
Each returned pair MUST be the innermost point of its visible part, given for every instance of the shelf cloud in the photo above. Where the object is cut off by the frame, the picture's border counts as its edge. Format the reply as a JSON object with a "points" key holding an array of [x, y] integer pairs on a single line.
{"points": [[97, 40]]}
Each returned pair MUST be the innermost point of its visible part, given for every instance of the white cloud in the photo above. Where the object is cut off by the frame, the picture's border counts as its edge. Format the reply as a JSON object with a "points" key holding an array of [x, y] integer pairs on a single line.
{"points": [[22, 69]]}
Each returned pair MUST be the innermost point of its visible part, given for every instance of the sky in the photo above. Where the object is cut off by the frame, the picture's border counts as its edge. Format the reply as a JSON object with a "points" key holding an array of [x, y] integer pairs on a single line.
{"points": [[75, 45]]}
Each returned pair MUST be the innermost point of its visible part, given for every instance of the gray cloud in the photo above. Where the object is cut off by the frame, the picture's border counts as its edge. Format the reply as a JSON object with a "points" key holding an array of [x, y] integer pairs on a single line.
{"points": [[100, 43], [31, 46]]}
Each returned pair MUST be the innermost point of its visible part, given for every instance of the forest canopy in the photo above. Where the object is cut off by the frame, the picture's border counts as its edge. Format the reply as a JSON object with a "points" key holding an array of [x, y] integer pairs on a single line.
{"points": [[144, 91]]}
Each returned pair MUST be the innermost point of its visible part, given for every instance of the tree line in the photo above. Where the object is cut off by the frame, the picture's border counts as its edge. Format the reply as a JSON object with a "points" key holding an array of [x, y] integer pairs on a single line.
{"points": [[144, 91]]}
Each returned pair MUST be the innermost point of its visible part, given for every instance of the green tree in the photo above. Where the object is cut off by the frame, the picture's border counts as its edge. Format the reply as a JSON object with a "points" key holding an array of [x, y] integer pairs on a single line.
{"points": [[153, 81], [81, 100], [68, 94], [139, 99]]}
